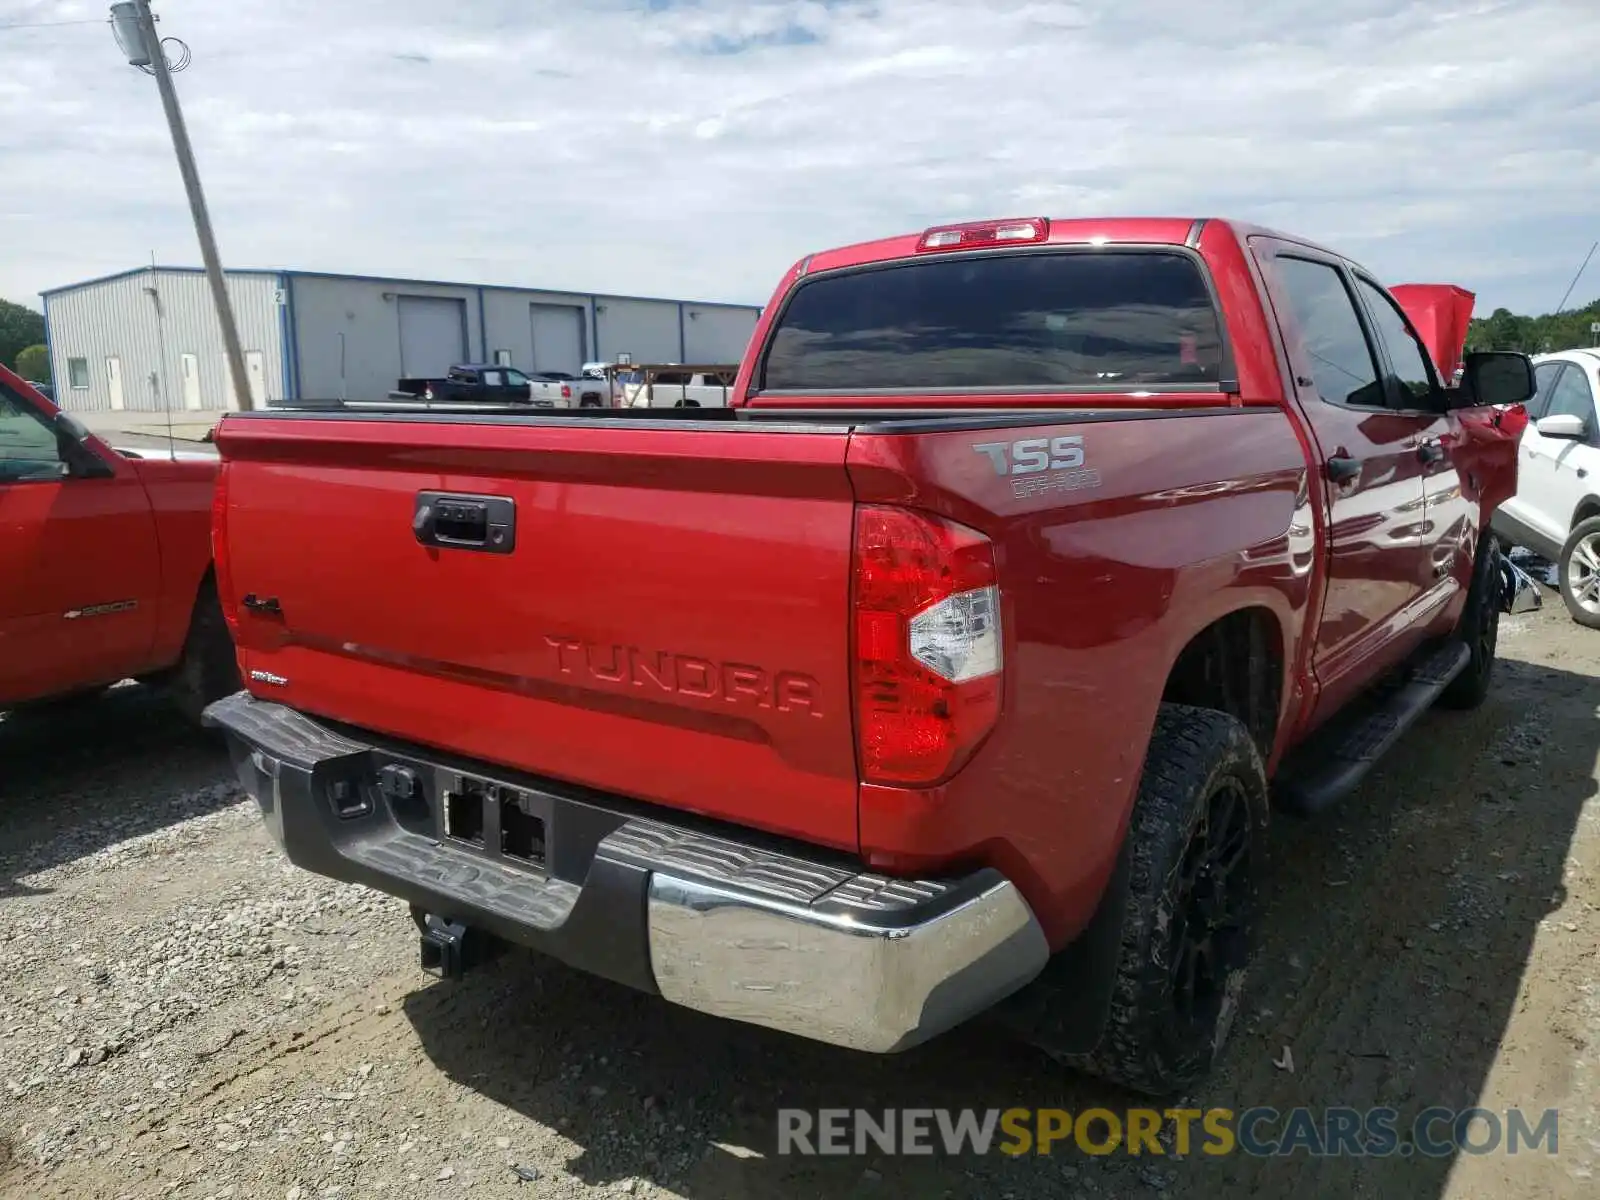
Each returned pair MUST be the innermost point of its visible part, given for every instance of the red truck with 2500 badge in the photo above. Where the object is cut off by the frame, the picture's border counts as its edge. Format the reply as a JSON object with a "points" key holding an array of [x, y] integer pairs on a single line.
{"points": [[105, 563], [952, 669]]}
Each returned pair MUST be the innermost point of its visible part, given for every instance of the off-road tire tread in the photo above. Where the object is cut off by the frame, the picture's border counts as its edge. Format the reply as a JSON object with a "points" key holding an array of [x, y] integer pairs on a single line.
{"points": [[1470, 688], [1190, 749]]}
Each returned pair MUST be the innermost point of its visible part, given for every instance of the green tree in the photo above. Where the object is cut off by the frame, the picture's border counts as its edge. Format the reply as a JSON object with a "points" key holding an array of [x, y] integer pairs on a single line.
{"points": [[1506, 330], [33, 363], [19, 328]]}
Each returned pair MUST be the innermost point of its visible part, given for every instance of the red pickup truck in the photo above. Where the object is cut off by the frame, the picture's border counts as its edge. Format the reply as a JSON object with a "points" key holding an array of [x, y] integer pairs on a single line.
{"points": [[951, 667], [105, 564]]}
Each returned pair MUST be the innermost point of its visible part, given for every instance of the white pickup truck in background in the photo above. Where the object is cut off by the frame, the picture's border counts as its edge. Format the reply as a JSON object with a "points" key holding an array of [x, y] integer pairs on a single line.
{"points": [[671, 385]]}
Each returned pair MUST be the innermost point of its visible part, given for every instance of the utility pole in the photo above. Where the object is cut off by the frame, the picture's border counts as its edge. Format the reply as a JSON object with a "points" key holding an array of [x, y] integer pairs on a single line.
{"points": [[135, 28]]}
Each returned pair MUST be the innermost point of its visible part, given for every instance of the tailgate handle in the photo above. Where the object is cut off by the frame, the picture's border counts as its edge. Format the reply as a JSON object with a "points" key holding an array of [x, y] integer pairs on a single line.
{"points": [[453, 521]]}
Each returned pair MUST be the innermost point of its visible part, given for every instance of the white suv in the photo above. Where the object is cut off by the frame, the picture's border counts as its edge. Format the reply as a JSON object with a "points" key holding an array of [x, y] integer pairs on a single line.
{"points": [[1556, 511]]}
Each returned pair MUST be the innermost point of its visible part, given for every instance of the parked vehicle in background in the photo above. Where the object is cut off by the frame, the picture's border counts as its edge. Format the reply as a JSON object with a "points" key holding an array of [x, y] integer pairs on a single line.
{"points": [[1556, 511], [47, 390], [672, 385], [584, 390], [1044, 552], [486, 383], [105, 564]]}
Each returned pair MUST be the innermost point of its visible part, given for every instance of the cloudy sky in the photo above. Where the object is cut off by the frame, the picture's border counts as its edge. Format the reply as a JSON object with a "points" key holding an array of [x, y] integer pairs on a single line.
{"points": [[697, 147]]}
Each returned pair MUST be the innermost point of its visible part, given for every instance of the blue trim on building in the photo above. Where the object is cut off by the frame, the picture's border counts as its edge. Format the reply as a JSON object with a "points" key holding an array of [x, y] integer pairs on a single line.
{"points": [[444, 283], [483, 330], [285, 362], [294, 337], [49, 346]]}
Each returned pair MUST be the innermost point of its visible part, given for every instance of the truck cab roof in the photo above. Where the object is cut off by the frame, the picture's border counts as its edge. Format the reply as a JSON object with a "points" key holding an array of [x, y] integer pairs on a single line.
{"points": [[1159, 231]]}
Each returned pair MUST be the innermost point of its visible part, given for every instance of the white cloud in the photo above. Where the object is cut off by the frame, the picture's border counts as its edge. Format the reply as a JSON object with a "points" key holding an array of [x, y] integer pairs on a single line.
{"points": [[696, 149]]}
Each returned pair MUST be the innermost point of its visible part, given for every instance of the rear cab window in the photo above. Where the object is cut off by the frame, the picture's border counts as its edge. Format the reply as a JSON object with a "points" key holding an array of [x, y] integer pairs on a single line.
{"points": [[1051, 320]]}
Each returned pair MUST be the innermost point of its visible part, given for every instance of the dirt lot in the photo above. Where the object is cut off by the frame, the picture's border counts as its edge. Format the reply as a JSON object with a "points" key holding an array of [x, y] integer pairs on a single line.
{"points": [[181, 1014]]}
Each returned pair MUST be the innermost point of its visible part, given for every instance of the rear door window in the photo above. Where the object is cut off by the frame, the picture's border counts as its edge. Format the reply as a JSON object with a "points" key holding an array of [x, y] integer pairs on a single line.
{"points": [[1065, 320], [1324, 315]]}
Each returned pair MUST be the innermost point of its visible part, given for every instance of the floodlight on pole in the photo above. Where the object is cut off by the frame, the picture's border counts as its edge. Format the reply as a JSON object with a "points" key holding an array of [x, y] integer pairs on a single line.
{"points": [[134, 27]]}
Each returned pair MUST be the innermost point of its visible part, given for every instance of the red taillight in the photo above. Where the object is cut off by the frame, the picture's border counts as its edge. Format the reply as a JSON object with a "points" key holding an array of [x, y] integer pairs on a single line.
{"points": [[1015, 231], [566, 392], [221, 564], [928, 645]]}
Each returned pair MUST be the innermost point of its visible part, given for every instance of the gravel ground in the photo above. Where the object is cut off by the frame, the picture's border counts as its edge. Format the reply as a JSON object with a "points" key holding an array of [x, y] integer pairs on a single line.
{"points": [[182, 1014]]}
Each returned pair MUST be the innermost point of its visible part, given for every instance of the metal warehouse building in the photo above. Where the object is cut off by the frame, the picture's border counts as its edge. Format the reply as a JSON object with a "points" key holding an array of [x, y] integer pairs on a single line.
{"points": [[147, 338]]}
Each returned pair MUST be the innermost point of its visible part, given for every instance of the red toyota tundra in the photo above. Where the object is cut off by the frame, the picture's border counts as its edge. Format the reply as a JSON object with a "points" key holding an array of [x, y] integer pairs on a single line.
{"points": [[951, 667], [105, 563]]}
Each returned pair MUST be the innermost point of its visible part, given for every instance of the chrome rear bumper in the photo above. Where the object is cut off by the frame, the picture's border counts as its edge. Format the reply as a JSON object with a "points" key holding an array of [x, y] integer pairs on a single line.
{"points": [[732, 926]]}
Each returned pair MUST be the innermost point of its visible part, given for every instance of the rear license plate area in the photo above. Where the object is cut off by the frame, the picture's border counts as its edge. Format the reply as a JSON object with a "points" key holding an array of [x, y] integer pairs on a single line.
{"points": [[505, 823]]}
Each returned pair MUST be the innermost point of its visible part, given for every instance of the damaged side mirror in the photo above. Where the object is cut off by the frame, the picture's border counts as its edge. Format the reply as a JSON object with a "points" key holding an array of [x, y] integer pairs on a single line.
{"points": [[1492, 378], [1519, 591]]}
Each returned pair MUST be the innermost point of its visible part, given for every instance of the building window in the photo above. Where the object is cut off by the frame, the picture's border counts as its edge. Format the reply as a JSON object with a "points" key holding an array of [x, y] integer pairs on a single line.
{"points": [[78, 374], [502, 358]]}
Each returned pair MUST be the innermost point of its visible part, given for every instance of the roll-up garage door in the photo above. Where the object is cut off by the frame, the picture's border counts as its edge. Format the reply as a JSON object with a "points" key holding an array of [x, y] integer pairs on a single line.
{"points": [[557, 337], [433, 335]]}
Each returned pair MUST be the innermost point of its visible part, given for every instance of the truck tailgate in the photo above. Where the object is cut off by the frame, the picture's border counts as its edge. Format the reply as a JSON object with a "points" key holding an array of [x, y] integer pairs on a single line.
{"points": [[668, 621]]}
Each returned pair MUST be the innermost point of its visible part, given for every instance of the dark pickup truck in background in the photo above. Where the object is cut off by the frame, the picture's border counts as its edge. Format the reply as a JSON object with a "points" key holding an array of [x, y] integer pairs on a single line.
{"points": [[485, 383], [949, 669]]}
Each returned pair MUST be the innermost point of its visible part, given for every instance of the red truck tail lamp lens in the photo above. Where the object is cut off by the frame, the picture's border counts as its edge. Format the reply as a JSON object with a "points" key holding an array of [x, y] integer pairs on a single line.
{"points": [[985, 233], [928, 653]]}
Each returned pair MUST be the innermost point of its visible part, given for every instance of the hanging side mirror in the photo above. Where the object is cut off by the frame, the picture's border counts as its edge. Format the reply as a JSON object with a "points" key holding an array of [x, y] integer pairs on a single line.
{"points": [[1491, 378]]}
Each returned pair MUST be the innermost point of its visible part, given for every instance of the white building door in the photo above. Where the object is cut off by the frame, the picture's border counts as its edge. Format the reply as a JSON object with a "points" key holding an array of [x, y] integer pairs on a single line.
{"points": [[114, 382], [189, 367], [255, 367]]}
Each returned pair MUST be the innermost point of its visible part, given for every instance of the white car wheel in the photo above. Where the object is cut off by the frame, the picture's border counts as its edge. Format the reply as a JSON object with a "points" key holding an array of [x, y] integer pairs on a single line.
{"points": [[1580, 573]]}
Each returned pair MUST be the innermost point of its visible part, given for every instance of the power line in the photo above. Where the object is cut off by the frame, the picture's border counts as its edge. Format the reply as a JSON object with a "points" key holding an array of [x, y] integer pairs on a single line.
{"points": [[1577, 277], [53, 24]]}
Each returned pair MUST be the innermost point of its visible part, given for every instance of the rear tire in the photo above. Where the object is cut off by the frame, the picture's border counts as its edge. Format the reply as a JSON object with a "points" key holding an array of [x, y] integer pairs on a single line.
{"points": [[1579, 572], [1196, 849], [209, 668], [1479, 628]]}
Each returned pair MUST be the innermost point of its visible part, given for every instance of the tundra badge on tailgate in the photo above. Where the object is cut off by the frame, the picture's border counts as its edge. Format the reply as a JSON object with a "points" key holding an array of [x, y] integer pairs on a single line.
{"points": [[1039, 465]]}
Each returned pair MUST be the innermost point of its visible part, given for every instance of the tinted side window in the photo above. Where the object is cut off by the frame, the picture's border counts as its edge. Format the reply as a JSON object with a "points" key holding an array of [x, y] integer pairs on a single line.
{"points": [[1041, 320], [29, 448], [1545, 375], [1324, 315], [1571, 396], [1413, 377]]}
